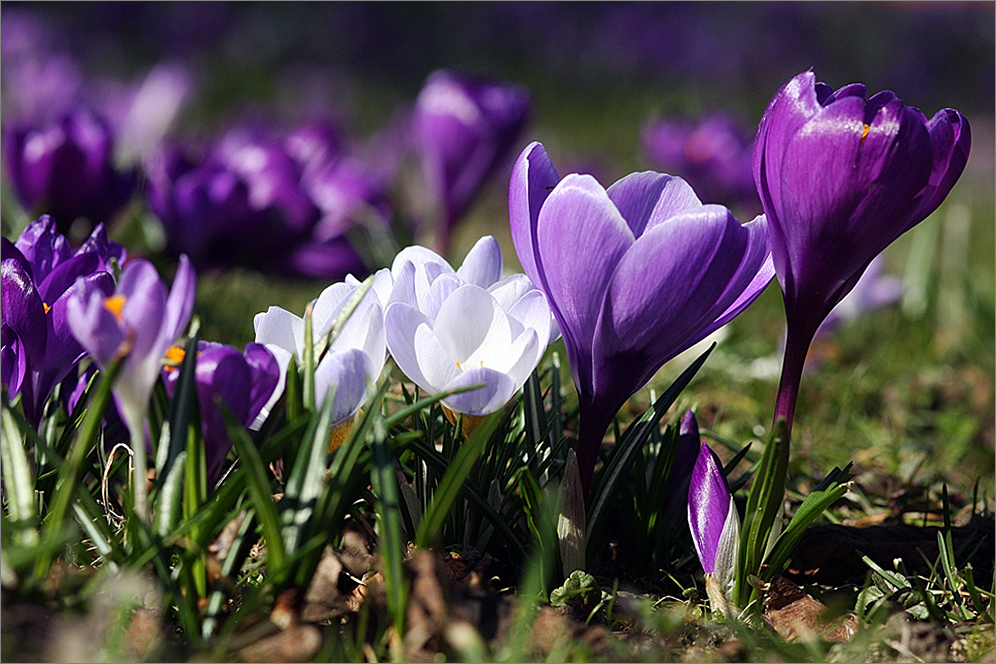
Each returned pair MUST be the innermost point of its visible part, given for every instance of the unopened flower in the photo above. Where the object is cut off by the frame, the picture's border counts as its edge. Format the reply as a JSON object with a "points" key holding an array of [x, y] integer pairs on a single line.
{"points": [[841, 176], [715, 528], [634, 275]]}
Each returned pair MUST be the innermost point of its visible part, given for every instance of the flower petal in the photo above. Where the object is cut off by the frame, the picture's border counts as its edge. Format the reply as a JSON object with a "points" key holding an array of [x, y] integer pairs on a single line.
{"points": [[482, 266], [495, 393], [708, 507]]}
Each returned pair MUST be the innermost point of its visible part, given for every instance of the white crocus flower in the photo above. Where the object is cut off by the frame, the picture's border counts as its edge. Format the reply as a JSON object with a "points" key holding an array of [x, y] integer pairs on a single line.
{"points": [[448, 329], [351, 363]]}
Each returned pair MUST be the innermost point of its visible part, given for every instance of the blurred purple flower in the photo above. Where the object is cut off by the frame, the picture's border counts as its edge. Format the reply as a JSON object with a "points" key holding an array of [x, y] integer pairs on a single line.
{"points": [[243, 381], [713, 154], [840, 177], [40, 275], [252, 199], [465, 129], [634, 274], [715, 526], [66, 168], [873, 290]]}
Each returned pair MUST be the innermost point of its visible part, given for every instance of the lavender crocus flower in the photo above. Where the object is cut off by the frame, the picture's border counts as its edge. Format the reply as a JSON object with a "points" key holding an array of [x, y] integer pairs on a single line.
{"points": [[449, 329], [465, 128], [715, 527], [351, 365], [40, 275], [136, 324], [634, 274], [66, 168], [243, 381], [712, 154], [841, 176]]}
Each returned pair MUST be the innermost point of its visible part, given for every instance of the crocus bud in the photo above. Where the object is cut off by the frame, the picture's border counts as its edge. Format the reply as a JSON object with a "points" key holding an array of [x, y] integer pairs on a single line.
{"points": [[715, 527]]}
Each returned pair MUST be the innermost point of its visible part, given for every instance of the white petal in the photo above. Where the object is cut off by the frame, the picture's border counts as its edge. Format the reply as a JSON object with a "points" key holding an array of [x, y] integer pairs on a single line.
{"points": [[279, 327], [482, 266], [469, 320], [400, 324], [436, 364]]}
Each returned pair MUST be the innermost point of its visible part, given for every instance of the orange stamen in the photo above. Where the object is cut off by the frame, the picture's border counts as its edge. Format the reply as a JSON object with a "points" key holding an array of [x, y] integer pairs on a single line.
{"points": [[47, 307], [115, 304], [864, 134], [174, 357]]}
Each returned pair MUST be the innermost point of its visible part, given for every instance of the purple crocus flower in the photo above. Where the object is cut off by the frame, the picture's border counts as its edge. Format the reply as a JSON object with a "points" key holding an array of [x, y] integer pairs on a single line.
{"points": [[243, 381], [713, 154], [841, 176], [465, 128], [40, 275], [136, 323], [715, 526], [66, 168], [252, 200], [634, 274]]}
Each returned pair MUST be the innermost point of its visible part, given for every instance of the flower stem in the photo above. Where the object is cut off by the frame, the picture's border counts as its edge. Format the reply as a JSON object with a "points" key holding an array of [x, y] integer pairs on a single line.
{"points": [[140, 490], [796, 348]]}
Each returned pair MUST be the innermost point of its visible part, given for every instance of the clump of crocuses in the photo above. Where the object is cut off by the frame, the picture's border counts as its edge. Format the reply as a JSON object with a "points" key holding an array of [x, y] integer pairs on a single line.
{"points": [[634, 274], [41, 274], [842, 175], [254, 198]]}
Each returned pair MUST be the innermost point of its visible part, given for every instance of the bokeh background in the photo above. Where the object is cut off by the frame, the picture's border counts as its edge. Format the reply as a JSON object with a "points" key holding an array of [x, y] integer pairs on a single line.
{"points": [[906, 391]]}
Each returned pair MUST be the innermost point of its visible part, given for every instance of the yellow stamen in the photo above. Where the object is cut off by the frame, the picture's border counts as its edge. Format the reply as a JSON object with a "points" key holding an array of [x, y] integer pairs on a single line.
{"points": [[340, 431], [458, 365], [864, 134], [115, 304], [174, 357], [47, 307]]}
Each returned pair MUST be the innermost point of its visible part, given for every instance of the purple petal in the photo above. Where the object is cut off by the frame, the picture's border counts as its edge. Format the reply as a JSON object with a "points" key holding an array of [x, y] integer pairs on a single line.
{"points": [[708, 506], [641, 197], [533, 178], [577, 274]]}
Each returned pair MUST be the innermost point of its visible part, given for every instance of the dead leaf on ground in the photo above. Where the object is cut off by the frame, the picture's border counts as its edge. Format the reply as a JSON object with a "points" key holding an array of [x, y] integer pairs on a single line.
{"points": [[794, 613]]}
